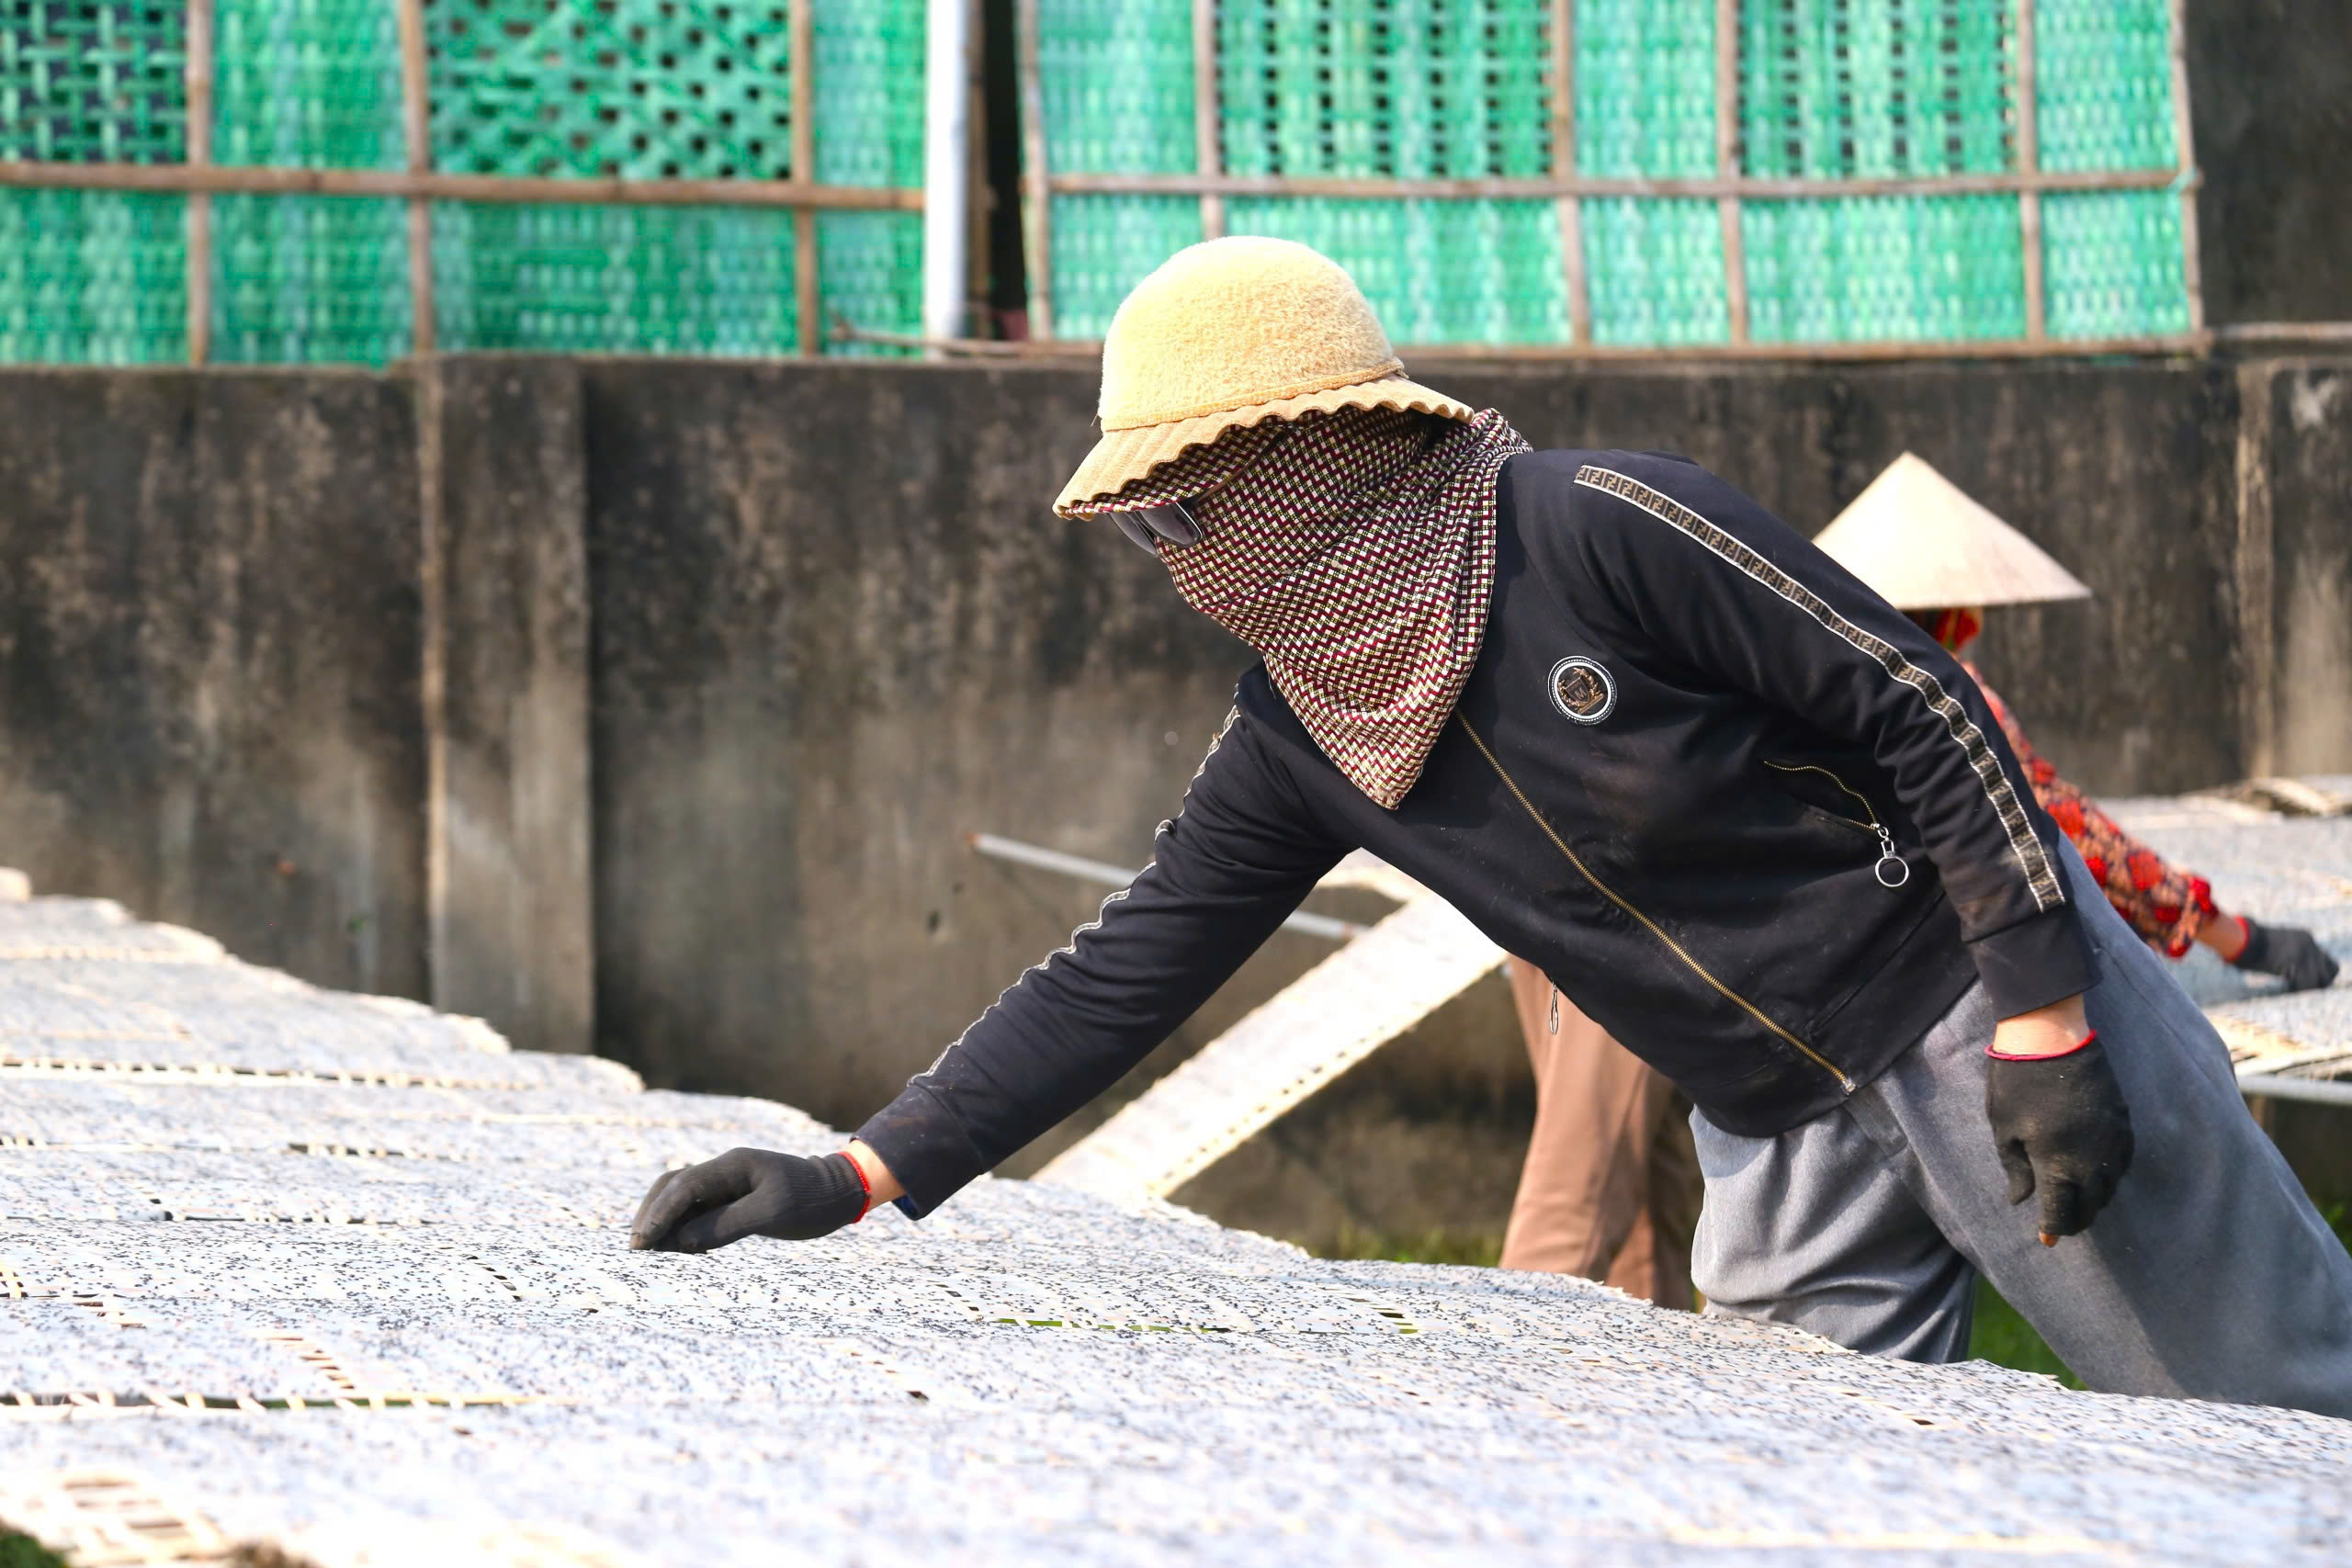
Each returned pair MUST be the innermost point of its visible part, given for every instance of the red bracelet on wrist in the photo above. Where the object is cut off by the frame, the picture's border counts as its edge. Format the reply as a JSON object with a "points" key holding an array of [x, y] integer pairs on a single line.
{"points": [[862, 1183], [2051, 1057]]}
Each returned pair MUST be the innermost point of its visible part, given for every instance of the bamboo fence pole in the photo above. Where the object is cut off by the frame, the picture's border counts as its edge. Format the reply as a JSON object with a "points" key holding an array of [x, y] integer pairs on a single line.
{"points": [[1568, 208], [1036, 178], [1589, 187], [199, 202], [2185, 138], [1208, 139], [1727, 165], [807, 324], [1821, 353], [267, 180], [2028, 104], [416, 128]]}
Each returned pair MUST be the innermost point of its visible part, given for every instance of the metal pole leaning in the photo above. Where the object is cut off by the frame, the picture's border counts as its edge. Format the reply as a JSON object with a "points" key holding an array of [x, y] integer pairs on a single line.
{"points": [[1104, 873], [946, 165]]}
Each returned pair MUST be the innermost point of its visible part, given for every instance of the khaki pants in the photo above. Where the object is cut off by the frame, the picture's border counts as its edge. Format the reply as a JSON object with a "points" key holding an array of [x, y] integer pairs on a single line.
{"points": [[1611, 1187]]}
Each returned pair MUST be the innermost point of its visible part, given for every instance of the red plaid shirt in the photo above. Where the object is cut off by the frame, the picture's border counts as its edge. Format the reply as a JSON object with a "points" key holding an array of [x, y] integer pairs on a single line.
{"points": [[2164, 904]]}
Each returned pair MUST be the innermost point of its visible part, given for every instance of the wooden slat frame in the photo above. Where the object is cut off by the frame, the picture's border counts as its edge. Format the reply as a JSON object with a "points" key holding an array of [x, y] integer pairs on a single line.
{"points": [[1831, 353], [1745, 187], [1208, 122], [1568, 208], [433, 186], [1727, 166], [416, 134], [2029, 109], [800, 42], [199, 203]]}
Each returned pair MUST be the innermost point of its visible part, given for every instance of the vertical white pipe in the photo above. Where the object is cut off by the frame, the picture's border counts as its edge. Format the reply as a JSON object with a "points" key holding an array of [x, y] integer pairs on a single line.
{"points": [[946, 129]]}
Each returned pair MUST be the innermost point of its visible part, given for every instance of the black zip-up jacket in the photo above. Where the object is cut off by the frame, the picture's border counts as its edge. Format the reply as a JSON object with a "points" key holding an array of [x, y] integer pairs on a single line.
{"points": [[1665, 784]]}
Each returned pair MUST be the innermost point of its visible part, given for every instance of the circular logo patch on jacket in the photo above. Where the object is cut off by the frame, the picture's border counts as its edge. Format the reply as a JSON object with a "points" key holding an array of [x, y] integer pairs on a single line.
{"points": [[1582, 690]]}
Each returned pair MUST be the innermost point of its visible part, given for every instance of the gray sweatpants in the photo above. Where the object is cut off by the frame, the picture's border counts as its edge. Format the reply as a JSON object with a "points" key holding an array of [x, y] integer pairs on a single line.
{"points": [[2209, 1276]]}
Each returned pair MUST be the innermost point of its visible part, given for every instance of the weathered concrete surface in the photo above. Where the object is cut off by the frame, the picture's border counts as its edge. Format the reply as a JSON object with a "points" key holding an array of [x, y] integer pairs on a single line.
{"points": [[2270, 92], [458, 1361], [507, 807], [835, 630], [208, 653], [2308, 473]]}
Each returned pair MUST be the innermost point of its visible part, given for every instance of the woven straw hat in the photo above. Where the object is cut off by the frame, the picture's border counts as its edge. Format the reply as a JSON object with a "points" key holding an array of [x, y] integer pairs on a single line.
{"points": [[1922, 544], [1233, 333]]}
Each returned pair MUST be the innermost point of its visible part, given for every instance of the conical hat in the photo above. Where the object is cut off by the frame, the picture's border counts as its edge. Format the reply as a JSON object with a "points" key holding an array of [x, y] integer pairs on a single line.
{"points": [[1915, 537]]}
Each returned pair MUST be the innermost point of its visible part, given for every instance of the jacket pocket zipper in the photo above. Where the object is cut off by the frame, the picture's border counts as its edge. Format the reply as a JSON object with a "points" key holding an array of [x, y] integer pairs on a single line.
{"points": [[1810, 1054], [1892, 870]]}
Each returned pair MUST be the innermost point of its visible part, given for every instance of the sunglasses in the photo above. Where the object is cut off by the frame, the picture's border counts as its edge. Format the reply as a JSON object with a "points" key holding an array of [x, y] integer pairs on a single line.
{"points": [[1173, 522], [1147, 526]]}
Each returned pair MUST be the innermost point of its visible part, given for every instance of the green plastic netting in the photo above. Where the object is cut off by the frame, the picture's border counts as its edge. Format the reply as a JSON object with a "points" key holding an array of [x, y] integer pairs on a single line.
{"points": [[1829, 89], [642, 88], [586, 279], [310, 84], [1412, 89], [93, 82], [1404, 88], [93, 278], [655, 89], [869, 92]]}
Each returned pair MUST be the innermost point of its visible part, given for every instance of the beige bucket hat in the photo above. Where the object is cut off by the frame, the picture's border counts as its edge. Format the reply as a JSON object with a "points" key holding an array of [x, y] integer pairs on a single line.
{"points": [[1918, 540], [1231, 333]]}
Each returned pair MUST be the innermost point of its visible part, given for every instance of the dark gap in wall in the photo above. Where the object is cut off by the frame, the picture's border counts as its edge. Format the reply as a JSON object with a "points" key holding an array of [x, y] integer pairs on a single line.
{"points": [[1008, 291]]}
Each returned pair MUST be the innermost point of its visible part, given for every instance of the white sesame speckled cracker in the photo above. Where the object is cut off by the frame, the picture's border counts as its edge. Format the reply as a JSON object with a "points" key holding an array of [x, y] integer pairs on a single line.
{"points": [[295, 1272]]}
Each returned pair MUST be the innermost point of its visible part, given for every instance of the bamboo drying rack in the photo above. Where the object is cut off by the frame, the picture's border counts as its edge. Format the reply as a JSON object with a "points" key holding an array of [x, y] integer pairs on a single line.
{"points": [[1728, 188], [420, 186]]}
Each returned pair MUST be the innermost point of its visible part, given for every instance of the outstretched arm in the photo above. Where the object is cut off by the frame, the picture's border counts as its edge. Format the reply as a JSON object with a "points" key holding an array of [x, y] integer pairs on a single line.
{"points": [[1225, 872]]}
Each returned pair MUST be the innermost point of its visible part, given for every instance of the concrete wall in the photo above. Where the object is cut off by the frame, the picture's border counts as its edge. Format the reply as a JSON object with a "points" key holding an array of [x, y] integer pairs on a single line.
{"points": [[503, 578], [2301, 440], [2270, 95], [661, 695], [209, 643]]}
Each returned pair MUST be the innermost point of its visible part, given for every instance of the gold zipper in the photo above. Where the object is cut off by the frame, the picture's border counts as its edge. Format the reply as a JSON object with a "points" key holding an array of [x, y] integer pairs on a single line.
{"points": [[1815, 1057], [1887, 855], [1869, 825]]}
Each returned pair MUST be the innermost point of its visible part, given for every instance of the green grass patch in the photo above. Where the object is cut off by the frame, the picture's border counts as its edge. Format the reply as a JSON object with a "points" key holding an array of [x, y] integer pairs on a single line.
{"points": [[2000, 1334], [1464, 1249], [19, 1550]]}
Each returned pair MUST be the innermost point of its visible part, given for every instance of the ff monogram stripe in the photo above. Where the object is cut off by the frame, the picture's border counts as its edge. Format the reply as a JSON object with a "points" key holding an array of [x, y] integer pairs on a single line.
{"points": [[2041, 877]]}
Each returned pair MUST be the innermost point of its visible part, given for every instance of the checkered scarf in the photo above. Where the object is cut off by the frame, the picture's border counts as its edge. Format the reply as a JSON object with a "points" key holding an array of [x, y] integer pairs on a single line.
{"points": [[1355, 551]]}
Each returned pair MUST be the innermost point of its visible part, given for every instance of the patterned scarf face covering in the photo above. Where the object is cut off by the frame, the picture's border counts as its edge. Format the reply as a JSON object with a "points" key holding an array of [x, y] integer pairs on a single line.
{"points": [[1355, 551]]}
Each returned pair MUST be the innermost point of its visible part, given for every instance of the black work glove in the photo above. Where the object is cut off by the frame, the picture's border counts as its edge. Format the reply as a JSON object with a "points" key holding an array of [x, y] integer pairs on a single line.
{"points": [[2063, 1130], [2289, 952], [748, 1192]]}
